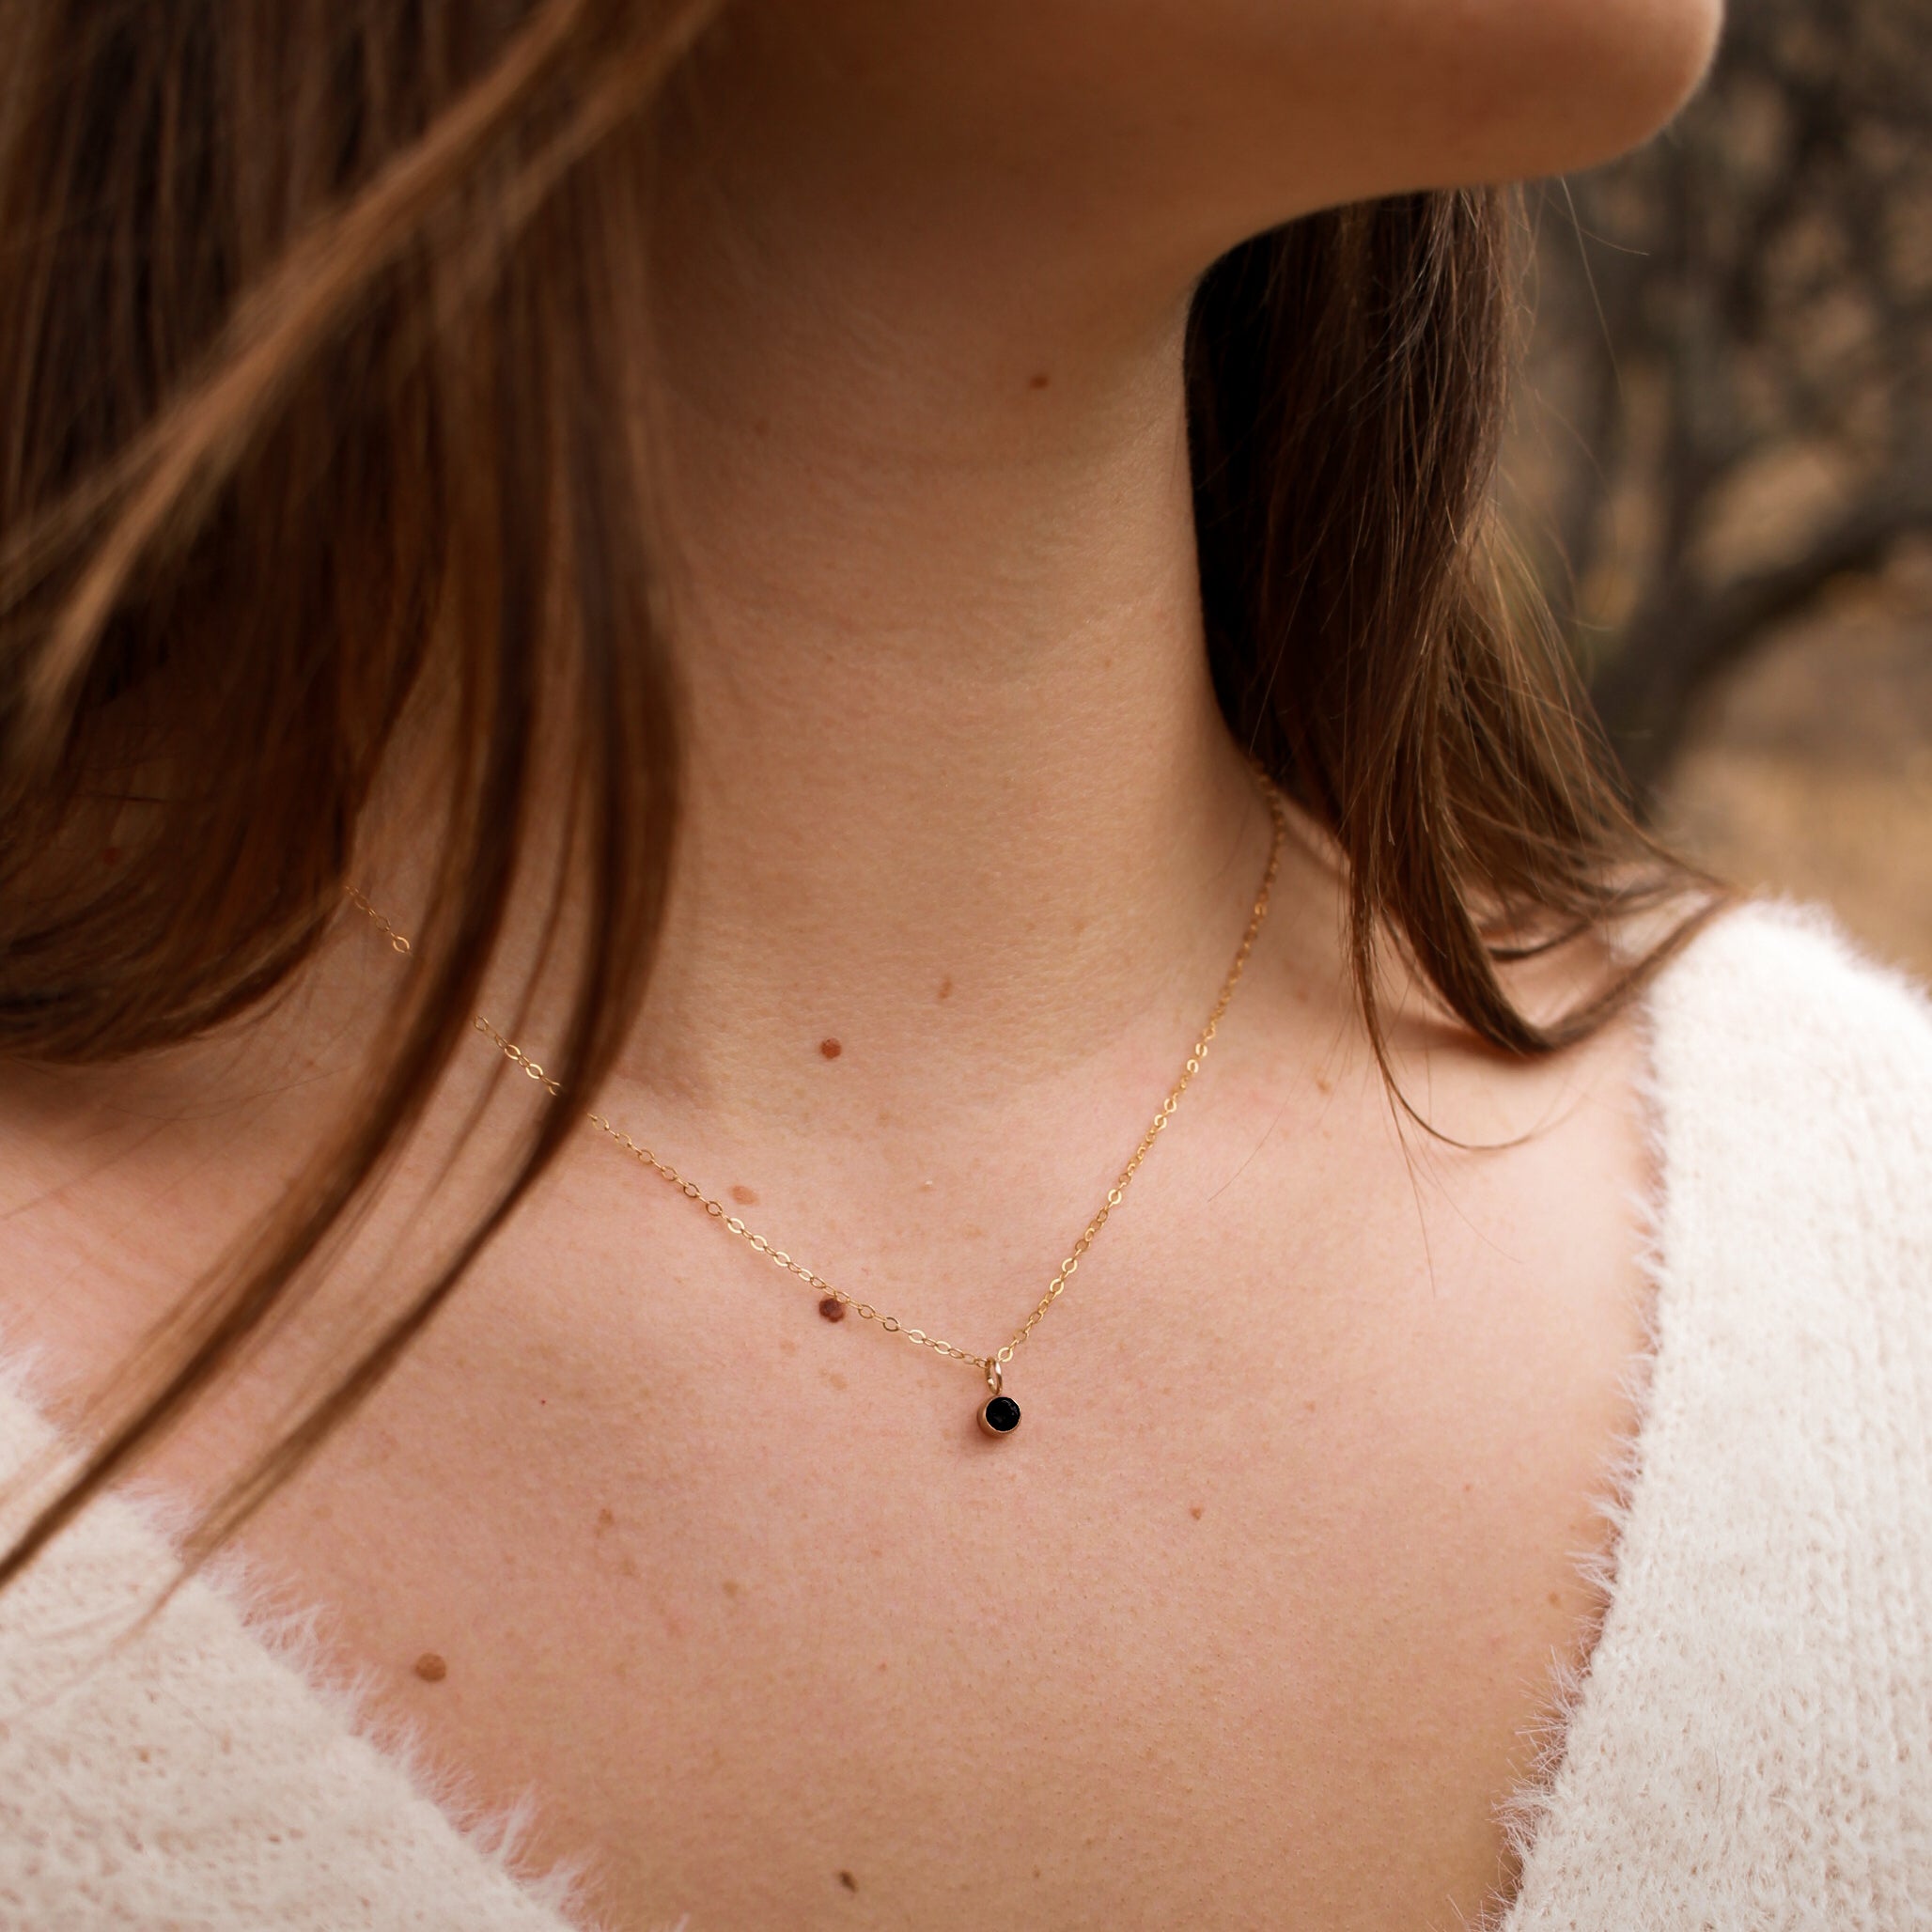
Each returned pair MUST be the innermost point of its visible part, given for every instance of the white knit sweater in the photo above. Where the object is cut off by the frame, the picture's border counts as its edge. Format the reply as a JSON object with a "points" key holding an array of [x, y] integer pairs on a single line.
{"points": [[1750, 1747]]}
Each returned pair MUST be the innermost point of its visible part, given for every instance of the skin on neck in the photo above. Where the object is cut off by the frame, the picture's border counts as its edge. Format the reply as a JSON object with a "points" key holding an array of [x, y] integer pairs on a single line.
{"points": [[969, 807], [959, 793]]}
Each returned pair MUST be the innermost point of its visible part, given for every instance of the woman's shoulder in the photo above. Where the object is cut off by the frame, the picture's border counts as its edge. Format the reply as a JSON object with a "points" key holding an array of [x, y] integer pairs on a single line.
{"points": [[1754, 1742], [1791, 1099], [1774, 1035]]}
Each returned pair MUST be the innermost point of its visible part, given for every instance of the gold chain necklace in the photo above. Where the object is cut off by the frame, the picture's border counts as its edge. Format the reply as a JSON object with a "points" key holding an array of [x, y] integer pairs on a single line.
{"points": [[999, 1415]]}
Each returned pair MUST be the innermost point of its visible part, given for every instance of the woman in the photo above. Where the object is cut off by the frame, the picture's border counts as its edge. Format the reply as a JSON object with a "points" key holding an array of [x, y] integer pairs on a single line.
{"points": [[753, 548]]}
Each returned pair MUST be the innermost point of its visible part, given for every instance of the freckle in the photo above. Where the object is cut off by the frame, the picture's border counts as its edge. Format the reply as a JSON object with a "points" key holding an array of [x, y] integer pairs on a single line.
{"points": [[730, 1588], [882, 1663], [1195, 1510], [432, 1668], [946, 988], [605, 1520], [1324, 1084], [838, 1380], [831, 1049], [787, 1346], [762, 427], [1041, 381], [628, 1568], [744, 1196], [831, 1308], [1467, 1487], [851, 1883], [1309, 1406]]}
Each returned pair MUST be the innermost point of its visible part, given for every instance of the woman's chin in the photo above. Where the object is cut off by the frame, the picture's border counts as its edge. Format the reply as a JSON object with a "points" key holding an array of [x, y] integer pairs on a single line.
{"points": [[1606, 81]]}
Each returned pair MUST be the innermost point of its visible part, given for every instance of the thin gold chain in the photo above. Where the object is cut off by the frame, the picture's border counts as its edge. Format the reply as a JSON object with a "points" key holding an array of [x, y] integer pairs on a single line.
{"points": [[988, 1365]]}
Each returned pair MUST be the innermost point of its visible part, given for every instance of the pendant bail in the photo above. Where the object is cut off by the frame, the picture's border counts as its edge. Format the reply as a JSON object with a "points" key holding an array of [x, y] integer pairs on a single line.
{"points": [[995, 1375]]}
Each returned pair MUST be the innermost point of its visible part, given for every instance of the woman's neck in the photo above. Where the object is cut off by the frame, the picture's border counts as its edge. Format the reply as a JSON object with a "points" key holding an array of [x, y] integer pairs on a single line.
{"points": [[959, 795]]}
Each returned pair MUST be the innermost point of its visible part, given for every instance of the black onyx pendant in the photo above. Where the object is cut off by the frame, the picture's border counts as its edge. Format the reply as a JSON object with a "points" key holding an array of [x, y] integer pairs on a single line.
{"points": [[999, 1416]]}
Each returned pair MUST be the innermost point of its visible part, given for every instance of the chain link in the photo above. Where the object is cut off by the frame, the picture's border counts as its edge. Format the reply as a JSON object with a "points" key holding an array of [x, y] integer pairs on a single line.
{"points": [[986, 1364], [395, 940]]}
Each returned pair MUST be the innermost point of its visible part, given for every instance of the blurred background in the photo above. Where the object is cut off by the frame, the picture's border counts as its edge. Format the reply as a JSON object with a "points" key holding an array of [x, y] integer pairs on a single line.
{"points": [[1721, 459]]}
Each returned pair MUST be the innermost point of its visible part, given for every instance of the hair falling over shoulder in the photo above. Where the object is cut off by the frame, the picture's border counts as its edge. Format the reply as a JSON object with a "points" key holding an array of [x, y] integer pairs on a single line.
{"points": [[309, 333]]}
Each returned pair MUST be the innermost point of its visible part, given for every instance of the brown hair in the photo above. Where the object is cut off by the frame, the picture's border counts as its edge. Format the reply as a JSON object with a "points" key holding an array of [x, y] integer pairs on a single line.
{"points": [[307, 317]]}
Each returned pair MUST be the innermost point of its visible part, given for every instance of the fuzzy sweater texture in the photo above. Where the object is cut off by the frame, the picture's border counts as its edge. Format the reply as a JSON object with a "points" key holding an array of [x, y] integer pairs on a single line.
{"points": [[1748, 1747]]}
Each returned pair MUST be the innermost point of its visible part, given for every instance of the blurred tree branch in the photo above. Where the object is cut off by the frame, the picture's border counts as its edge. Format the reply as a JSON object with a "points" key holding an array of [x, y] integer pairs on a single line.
{"points": [[1729, 398]]}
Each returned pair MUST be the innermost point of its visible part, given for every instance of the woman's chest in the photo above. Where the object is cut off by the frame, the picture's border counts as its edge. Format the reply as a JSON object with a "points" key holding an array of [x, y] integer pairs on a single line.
{"points": [[1245, 1625]]}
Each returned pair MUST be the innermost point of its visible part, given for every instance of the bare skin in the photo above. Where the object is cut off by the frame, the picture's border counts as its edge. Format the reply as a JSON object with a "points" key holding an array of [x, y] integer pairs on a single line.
{"points": [[1243, 1627], [1247, 1624]]}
